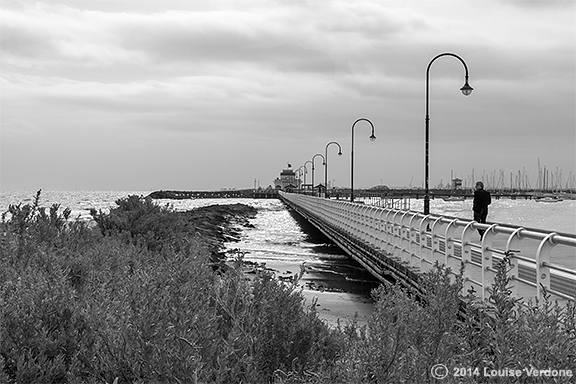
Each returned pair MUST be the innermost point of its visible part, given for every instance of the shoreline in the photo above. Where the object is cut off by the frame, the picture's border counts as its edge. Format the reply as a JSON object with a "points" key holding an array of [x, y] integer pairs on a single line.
{"points": [[335, 303], [332, 304]]}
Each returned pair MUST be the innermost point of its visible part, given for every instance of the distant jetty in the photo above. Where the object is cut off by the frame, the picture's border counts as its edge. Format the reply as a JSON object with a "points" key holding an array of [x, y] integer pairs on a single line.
{"points": [[226, 194], [343, 193]]}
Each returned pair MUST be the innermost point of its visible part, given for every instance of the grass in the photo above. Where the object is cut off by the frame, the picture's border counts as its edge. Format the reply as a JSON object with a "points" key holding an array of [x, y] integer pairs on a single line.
{"points": [[137, 299]]}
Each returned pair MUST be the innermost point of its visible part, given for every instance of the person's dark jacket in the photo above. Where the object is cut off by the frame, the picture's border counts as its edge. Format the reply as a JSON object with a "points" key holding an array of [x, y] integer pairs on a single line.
{"points": [[482, 200]]}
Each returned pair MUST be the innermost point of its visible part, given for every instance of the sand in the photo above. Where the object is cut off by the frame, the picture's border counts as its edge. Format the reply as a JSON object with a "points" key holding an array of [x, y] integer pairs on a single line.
{"points": [[332, 303]]}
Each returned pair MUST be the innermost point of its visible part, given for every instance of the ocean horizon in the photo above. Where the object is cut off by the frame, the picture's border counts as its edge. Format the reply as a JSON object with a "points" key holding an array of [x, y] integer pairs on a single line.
{"points": [[559, 216]]}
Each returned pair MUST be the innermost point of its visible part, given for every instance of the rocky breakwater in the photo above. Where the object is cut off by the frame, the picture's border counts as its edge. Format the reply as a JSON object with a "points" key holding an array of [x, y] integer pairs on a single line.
{"points": [[218, 224], [148, 224]]}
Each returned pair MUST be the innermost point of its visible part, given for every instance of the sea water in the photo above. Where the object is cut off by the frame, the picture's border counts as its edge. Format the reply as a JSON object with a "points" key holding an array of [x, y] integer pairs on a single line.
{"points": [[79, 202], [558, 216]]}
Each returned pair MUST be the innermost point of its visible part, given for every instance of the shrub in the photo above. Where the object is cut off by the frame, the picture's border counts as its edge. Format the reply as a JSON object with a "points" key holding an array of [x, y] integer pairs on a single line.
{"points": [[135, 299], [507, 333], [405, 336], [139, 221]]}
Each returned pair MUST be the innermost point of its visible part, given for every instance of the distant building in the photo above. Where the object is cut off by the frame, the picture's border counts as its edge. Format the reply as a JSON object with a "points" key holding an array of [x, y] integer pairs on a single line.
{"points": [[287, 179], [456, 183]]}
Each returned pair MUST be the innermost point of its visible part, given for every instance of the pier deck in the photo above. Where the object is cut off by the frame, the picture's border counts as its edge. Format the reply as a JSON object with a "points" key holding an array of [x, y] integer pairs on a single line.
{"points": [[399, 245]]}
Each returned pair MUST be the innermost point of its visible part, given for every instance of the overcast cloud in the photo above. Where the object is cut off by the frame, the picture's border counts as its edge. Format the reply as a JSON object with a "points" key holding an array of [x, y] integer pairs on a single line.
{"points": [[146, 95]]}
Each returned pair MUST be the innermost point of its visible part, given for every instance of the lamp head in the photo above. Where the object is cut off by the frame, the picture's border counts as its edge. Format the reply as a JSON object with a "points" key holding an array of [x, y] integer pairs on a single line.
{"points": [[466, 89], [340, 153], [372, 137]]}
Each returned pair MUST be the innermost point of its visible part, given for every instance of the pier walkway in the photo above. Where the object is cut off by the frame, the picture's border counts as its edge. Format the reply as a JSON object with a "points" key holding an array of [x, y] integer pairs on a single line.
{"points": [[398, 245]]}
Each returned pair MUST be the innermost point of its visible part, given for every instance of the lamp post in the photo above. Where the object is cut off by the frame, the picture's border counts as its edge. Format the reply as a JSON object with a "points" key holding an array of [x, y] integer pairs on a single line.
{"points": [[372, 138], [300, 172], [326, 161], [306, 170], [466, 91]]}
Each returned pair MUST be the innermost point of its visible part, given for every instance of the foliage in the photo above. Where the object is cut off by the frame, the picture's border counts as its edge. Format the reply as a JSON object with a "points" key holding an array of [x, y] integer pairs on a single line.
{"points": [[134, 299], [507, 333], [131, 300], [407, 336], [139, 221]]}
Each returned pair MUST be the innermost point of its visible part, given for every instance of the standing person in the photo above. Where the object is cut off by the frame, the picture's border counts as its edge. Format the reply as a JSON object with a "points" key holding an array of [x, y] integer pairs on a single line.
{"points": [[482, 200]]}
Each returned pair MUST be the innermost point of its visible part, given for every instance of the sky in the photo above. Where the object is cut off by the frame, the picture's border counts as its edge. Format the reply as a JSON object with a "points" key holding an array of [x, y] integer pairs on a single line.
{"points": [[211, 94]]}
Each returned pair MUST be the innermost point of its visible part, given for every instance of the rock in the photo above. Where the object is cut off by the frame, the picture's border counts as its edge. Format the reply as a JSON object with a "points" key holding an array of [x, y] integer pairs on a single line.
{"points": [[217, 224]]}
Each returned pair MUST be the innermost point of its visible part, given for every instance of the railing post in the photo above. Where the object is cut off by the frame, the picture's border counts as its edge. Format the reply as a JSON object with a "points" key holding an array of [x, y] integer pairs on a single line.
{"points": [[405, 239], [487, 262], [414, 231], [381, 229], [339, 215], [397, 234], [424, 243], [374, 226], [449, 246], [367, 224], [435, 242], [358, 226], [389, 232], [512, 247], [351, 220], [363, 223], [542, 270], [470, 272]]}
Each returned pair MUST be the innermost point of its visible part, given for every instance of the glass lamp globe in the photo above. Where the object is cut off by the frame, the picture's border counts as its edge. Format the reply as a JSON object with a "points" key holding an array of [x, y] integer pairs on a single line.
{"points": [[466, 89]]}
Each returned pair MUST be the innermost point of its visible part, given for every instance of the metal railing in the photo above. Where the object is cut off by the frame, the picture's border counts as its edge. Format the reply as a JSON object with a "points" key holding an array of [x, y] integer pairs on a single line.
{"points": [[541, 261]]}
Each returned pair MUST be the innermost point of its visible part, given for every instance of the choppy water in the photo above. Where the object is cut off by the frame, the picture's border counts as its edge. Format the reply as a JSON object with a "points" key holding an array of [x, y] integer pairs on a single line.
{"points": [[285, 242], [79, 202], [559, 216]]}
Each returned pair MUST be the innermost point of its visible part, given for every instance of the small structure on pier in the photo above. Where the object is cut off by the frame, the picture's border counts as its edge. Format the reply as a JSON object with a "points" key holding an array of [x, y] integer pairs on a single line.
{"points": [[456, 183], [287, 179]]}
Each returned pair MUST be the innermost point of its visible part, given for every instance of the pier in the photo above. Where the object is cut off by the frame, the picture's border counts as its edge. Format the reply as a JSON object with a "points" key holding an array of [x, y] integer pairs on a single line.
{"points": [[397, 245], [343, 193], [224, 194]]}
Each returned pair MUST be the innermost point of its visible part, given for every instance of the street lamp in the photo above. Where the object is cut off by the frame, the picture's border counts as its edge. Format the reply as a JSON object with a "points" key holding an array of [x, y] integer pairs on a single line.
{"points": [[306, 170], [372, 138], [326, 162], [466, 91], [299, 172]]}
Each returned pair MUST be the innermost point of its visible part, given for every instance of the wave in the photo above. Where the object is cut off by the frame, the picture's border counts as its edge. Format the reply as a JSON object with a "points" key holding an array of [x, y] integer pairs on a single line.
{"points": [[361, 281], [272, 252], [310, 269], [276, 253]]}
